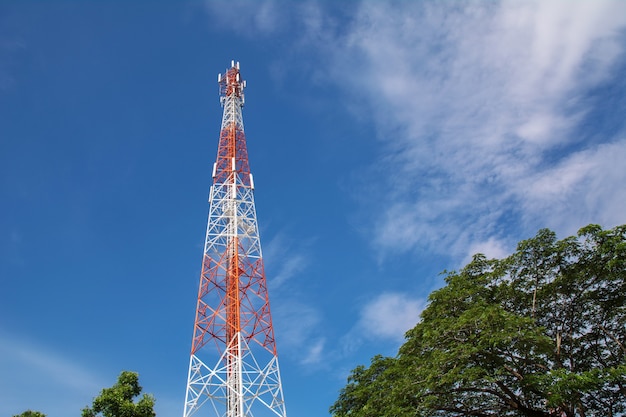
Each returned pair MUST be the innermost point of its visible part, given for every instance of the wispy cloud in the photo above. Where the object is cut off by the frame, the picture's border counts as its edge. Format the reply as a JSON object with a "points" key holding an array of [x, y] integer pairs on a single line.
{"points": [[46, 373], [297, 320], [248, 19], [478, 106], [285, 258], [299, 331], [586, 186], [491, 248], [313, 354], [387, 317], [9, 48], [289, 268]]}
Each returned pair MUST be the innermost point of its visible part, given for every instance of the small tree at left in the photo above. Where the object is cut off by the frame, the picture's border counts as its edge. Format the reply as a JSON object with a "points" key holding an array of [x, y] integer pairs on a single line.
{"points": [[119, 400], [30, 413]]}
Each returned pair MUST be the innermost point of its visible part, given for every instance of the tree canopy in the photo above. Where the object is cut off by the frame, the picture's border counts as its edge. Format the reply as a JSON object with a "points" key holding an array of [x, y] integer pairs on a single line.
{"points": [[30, 413], [541, 333], [118, 401]]}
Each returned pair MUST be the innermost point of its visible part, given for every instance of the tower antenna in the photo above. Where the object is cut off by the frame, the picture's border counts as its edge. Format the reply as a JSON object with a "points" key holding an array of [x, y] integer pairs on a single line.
{"points": [[233, 366]]}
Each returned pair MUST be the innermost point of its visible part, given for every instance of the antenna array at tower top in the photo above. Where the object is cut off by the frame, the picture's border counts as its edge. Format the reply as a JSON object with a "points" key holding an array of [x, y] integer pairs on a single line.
{"points": [[231, 83]]}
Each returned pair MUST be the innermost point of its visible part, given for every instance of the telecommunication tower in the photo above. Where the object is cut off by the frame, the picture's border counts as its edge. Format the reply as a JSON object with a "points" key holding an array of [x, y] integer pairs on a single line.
{"points": [[233, 368]]}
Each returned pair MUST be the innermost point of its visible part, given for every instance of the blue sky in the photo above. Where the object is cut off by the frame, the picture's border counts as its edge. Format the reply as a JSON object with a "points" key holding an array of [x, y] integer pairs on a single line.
{"points": [[388, 141]]}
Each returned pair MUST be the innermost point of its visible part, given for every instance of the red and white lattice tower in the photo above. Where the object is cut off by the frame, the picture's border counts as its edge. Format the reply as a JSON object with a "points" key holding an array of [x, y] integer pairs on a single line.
{"points": [[233, 369]]}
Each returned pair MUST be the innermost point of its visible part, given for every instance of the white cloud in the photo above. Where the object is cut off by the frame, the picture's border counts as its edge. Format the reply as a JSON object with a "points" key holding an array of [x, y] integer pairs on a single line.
{"points": [[296, 320], [297, 327], [47, 374], [387, 317], [478, 106], [492, 248], [247, 18], [586, 186], [289, 268], [314, 352], [285, 258], [9, 51]]}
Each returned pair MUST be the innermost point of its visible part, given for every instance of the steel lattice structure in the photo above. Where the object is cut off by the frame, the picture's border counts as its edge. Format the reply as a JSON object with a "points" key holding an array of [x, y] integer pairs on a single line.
{"points": [[233, 368]]}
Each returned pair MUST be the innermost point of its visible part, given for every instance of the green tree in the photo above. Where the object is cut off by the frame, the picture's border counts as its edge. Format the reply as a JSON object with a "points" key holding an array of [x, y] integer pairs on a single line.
{"points": [[30, 413], [118, 401], [540, 333]]}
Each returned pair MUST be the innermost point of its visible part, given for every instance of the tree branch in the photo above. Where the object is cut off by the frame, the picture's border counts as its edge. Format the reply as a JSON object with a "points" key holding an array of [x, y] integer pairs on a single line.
{"points": [[613, 338]]}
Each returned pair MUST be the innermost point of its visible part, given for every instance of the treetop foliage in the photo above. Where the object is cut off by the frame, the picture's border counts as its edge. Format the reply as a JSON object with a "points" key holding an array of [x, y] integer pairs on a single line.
{"points": [[541, 333], [118, 401], [30, 413]]}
